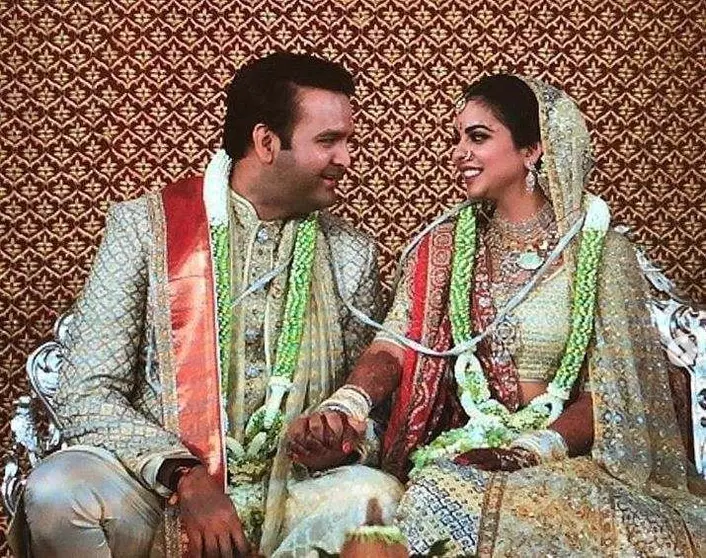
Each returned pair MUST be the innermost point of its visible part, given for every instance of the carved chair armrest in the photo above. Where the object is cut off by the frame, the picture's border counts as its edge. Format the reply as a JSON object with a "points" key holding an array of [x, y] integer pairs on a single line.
{"points": [[43, 373]]}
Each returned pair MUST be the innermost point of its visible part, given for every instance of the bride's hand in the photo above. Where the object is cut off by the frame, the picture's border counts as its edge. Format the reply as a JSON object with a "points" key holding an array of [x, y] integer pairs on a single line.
{"points": [[496, 459]]}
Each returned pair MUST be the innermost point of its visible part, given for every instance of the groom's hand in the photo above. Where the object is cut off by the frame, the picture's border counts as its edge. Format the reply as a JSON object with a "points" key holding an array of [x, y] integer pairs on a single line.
{"points": [[323, 439], [210, 520]]}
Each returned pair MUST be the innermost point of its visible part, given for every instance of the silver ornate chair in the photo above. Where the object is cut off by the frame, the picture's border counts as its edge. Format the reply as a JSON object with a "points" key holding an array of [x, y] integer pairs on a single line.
{"points": [[681, 326], [28, 441], [682, 331]]}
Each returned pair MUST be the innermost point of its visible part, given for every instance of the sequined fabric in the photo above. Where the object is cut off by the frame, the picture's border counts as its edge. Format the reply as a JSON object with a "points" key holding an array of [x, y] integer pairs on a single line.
{"points": [[541, 321], [109, 392], [631, 496], [569, 508]]}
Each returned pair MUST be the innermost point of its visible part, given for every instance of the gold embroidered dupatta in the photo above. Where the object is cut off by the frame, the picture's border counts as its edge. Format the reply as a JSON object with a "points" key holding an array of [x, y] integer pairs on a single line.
{"points": [[626, 358]]}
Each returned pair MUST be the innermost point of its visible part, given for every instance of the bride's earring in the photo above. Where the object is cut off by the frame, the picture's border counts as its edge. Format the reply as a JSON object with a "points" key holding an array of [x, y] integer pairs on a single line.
{"points": [[531, 178]]}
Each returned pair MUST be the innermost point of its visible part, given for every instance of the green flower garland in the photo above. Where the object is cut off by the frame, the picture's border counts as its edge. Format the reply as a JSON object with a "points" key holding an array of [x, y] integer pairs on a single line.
{"points": [[220, 246], [297, 298], [490, 423], [289, 341], [263, 428]]}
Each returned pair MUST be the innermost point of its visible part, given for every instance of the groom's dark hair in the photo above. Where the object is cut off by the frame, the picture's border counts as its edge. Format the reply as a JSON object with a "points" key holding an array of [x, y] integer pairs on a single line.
{"points": [[264, 91]]}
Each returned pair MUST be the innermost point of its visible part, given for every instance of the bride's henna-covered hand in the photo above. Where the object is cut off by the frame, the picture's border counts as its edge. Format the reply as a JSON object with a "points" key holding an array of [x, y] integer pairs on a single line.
{"points": [[378, 370], [496, 459]]}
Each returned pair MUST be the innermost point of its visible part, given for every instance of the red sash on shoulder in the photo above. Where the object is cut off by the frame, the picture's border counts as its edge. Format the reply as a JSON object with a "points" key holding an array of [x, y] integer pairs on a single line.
{"points": [[193, 320]]}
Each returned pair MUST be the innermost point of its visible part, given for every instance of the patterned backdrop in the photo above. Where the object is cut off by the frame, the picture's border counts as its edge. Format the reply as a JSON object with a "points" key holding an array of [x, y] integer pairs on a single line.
{"points": [[102, 101]]}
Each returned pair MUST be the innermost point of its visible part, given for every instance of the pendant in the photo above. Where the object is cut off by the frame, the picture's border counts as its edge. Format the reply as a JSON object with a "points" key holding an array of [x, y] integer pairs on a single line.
{"points": [[529, 261]]}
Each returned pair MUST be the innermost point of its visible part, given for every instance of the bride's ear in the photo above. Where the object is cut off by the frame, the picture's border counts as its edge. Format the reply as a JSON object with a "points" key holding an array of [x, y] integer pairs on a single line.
{"points": [[533, 153]]}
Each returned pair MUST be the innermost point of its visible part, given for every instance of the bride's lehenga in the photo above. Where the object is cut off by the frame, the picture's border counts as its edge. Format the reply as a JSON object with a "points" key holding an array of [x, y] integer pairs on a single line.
{"points": [[630, 496]]}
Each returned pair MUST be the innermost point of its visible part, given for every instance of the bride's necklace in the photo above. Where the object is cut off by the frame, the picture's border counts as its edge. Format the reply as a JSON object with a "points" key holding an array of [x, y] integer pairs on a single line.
{"points": [[516, 250], [524, 244]]}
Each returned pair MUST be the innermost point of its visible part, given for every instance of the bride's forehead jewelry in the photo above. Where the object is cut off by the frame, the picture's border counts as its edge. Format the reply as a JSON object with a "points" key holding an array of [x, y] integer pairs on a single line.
{"points": [[460, 102]]}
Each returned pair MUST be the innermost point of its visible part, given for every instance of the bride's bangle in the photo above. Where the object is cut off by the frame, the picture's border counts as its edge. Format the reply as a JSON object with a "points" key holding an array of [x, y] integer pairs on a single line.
{"points": [[548, 445], [350, 400]]}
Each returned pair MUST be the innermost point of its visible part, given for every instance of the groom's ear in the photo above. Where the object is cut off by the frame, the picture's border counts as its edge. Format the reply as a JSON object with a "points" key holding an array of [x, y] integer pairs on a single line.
{"points": [[265, 143]]}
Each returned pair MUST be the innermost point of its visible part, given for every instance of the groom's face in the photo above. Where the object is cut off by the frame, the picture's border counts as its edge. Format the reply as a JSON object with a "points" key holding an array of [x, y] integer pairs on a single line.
{"points": [[310, 171]]}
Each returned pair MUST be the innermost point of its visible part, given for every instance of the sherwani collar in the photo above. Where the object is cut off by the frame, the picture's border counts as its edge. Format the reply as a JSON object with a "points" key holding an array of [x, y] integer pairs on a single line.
{"points": [[244, 212]]}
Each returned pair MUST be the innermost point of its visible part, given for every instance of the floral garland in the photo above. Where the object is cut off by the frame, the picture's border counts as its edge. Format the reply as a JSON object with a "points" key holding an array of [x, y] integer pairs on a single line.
{"points": [[263, 428], [265, 424], [248, 463], [491, 424]]}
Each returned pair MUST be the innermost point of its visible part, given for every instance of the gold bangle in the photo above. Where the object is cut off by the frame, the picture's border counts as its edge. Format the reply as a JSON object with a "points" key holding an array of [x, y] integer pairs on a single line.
{"points": [[349, 400]]}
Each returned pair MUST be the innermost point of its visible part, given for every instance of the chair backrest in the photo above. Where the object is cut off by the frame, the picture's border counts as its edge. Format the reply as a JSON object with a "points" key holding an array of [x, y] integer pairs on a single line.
{"points": [[44, 363], [43, 373], [42, 369], [682, 331]]}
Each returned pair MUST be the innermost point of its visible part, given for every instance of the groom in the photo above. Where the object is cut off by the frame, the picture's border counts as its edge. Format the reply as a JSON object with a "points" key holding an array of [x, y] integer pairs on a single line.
{"points": [[211, 318]]}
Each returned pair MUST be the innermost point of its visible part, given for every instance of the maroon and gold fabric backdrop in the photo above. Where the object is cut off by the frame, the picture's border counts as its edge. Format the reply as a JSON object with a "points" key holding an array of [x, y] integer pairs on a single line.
{"points": [[102, 101]]}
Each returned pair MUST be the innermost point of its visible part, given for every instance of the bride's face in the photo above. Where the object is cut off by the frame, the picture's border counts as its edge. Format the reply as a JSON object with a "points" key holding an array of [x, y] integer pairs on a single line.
{"points": [[490, 164]]}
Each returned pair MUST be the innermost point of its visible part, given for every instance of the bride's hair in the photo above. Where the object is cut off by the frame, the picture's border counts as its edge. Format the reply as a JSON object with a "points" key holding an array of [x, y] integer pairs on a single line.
{"points": [[512, 102]]}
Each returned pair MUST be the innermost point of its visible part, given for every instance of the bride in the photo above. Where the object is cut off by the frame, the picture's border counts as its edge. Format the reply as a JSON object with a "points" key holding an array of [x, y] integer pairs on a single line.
{"points": [[531, 409]]}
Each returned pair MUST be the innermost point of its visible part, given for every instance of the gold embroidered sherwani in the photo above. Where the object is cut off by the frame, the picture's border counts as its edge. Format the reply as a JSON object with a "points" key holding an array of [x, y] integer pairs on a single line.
{"points": [[117, 386]]}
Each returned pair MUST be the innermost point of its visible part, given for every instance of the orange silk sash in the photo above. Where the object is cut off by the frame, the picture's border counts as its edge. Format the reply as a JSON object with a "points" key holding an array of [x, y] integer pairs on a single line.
{"points": [[193, 320]]}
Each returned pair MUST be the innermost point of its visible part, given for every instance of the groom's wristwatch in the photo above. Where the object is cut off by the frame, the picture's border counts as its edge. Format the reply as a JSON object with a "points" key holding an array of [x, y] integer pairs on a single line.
{"points": [[172, 470]]}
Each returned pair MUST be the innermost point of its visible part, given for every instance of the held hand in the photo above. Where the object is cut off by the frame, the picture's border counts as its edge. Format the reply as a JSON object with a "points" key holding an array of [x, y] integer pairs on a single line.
{"points": [[210, 520], [496, 459], [323, 439]]}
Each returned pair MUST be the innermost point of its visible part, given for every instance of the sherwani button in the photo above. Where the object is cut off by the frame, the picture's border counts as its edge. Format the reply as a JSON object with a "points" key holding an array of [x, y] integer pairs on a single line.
{"points": [[253, 371], [252, 334], [262, 236]]}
